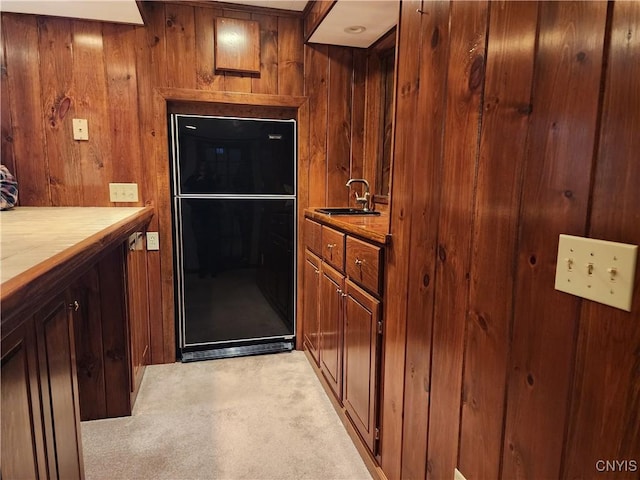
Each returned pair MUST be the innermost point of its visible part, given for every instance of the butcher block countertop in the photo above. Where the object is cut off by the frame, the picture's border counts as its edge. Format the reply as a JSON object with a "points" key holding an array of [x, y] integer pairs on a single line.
{"points": [[370, 227], [41, 247]]}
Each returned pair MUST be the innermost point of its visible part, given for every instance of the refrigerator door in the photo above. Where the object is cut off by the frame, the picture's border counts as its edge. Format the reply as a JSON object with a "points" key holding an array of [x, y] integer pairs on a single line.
{"points": [[237, 272], [234, 156]]}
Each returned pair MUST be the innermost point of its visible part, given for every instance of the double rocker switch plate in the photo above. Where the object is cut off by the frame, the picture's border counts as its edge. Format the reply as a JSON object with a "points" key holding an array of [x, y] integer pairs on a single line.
{"points": [[597, 270]]}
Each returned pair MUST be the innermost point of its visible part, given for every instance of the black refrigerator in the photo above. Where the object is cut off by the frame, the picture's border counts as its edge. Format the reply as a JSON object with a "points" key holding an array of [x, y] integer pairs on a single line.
{"points": [[234, 205]]}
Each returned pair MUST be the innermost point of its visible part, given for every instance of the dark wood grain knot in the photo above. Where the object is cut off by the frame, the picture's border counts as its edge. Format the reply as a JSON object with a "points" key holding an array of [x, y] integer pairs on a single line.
{"points": [[9, 138], [52, 123], [435, 37], [426, 280], [170, 21], [476, 75], [482, 322], [401, 213], [153, 133], [156, 40], [554, 126], [533, 260], [530, 380], [511, 447], [581, 57], [467, 276], [63, 108], [442, 253], [629, 35], [568, 193], [491, 103], [128, 76], [526, 109], [425, 383]]}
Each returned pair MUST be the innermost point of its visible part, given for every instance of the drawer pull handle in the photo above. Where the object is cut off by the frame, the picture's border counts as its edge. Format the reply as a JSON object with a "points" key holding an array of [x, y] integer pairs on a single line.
{"points": [[343, 294], [317, 272], [74, 306], [330, 245], [359, 262], [338, 290]]}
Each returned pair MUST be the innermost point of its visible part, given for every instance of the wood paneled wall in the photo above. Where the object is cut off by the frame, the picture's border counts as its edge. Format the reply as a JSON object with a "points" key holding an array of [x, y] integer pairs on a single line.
{"points": [[515, 122], [344, 87], [56, 69]]}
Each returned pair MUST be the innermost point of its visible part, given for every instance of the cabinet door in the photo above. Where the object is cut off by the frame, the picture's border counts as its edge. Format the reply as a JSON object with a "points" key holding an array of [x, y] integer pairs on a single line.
{"points": [[23, 451], [311, 306], [331, 308], [59, 388], [361, 355]]}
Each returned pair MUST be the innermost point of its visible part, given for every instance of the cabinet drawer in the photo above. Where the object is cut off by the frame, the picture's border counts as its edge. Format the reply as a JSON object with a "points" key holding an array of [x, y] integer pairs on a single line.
{"points": [[333, 247], [363, 263], [312, 236]]}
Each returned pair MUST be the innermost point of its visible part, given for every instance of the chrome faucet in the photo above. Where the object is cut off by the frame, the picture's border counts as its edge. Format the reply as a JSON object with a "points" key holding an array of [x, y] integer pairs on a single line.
{"points": [[363, 200]]}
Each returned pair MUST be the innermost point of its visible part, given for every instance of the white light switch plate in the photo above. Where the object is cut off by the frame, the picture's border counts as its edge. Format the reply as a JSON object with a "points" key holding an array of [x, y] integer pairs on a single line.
{"points": [[123, 192], [80, 129], [153, 241], [597, 270]]}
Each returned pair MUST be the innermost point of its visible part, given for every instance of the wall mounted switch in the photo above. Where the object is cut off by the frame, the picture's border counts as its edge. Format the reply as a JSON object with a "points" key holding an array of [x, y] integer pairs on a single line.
{"points": [[123, 192], [153, 241], [597, 270], [80, 129]]}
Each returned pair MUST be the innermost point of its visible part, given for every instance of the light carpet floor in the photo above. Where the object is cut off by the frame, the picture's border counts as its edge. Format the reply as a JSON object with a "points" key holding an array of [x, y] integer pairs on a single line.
{"points": [[261, 417]]}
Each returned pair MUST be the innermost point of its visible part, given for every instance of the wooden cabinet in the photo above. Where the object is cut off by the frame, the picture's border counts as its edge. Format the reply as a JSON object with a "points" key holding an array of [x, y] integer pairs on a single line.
{"points": [[342, 305], [40, 411], [311, 305], [331, 327], [65, 334], [362, 344], [23, 450]]}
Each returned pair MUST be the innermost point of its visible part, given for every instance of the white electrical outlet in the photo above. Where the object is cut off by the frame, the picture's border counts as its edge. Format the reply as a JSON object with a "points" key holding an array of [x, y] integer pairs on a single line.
{"points": [[597, 270], [123, 192], [80, 129], [457, 475], [153, 241]]}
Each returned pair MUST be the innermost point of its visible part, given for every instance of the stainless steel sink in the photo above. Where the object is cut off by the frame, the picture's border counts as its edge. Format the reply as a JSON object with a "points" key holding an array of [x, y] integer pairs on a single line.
{"points": [[345, 211]]}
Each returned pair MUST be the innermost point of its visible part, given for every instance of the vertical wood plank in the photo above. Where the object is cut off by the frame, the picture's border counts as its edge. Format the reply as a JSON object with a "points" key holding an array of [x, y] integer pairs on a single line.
{"points": [[317, 87], [303, 202], [339, 128], [554, 200], [122, 91], [180, 45], [23, 78], [206, 77], [267, 81], [426, 182], [373, 118], [150, 55], [358, 89], [236, 81], [459, 167], [89, 89], [605, 423], [165, 223], [510, 55], [6, 130], [59, 106], [290, 56], [397, 260]]}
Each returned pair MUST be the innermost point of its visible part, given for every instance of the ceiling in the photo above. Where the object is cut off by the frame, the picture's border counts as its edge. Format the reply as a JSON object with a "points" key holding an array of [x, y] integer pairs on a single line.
{"points": [[119, 11], [376, 16]]}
